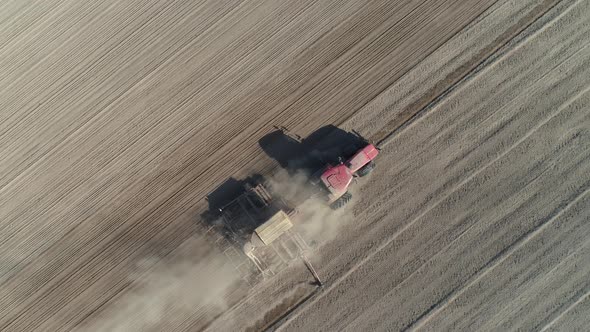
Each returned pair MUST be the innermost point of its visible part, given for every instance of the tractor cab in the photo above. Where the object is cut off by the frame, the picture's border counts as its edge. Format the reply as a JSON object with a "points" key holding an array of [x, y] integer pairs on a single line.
{"points": [[336, 179]]}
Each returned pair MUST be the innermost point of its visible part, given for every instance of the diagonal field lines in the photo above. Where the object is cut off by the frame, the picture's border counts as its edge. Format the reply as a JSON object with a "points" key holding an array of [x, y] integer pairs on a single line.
{"points": [[135, 110], [544, 78], [485, 65], [583, 297], [522, 139], [119, 117], [497, 260]]}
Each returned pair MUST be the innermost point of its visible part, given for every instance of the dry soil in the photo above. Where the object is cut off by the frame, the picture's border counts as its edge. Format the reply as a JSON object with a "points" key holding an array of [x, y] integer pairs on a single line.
{"points": [[118, 118]]}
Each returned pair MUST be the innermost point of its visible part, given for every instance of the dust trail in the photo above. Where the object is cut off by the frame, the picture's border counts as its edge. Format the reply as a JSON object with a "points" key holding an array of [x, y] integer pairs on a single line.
{"points": [[184, 288]]}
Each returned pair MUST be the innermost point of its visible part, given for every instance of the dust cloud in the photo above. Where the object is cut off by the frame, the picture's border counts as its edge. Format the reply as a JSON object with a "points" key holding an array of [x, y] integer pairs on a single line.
{"points": [[181, 289], [314, 220], [198, 286]]}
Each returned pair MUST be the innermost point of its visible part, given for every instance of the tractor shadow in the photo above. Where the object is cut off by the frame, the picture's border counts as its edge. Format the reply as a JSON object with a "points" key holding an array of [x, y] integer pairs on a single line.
{"points": [[323, 146], [222, 196]]}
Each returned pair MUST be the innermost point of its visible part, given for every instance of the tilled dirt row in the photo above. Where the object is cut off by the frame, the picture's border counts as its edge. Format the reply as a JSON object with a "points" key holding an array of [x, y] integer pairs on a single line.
{"points": [[119, 117]]}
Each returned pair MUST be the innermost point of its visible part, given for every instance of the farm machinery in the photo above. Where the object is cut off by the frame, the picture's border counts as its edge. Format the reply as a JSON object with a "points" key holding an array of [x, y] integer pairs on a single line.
{"points": [[259, 221], [349, 157], [334, 180], [260, 224]]}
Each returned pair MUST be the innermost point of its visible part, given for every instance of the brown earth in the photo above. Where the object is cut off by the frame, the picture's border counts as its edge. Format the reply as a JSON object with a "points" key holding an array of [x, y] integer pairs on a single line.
{"points": [[119, 117]]}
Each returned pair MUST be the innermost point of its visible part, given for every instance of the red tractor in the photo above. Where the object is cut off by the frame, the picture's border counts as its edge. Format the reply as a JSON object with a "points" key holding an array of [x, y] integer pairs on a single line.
{"points": [[331, 155], [335, 179]]}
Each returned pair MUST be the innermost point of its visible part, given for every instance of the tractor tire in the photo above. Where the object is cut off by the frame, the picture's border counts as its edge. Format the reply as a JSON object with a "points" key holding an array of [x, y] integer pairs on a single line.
{"points": [[340, 202], [365, 170]]}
